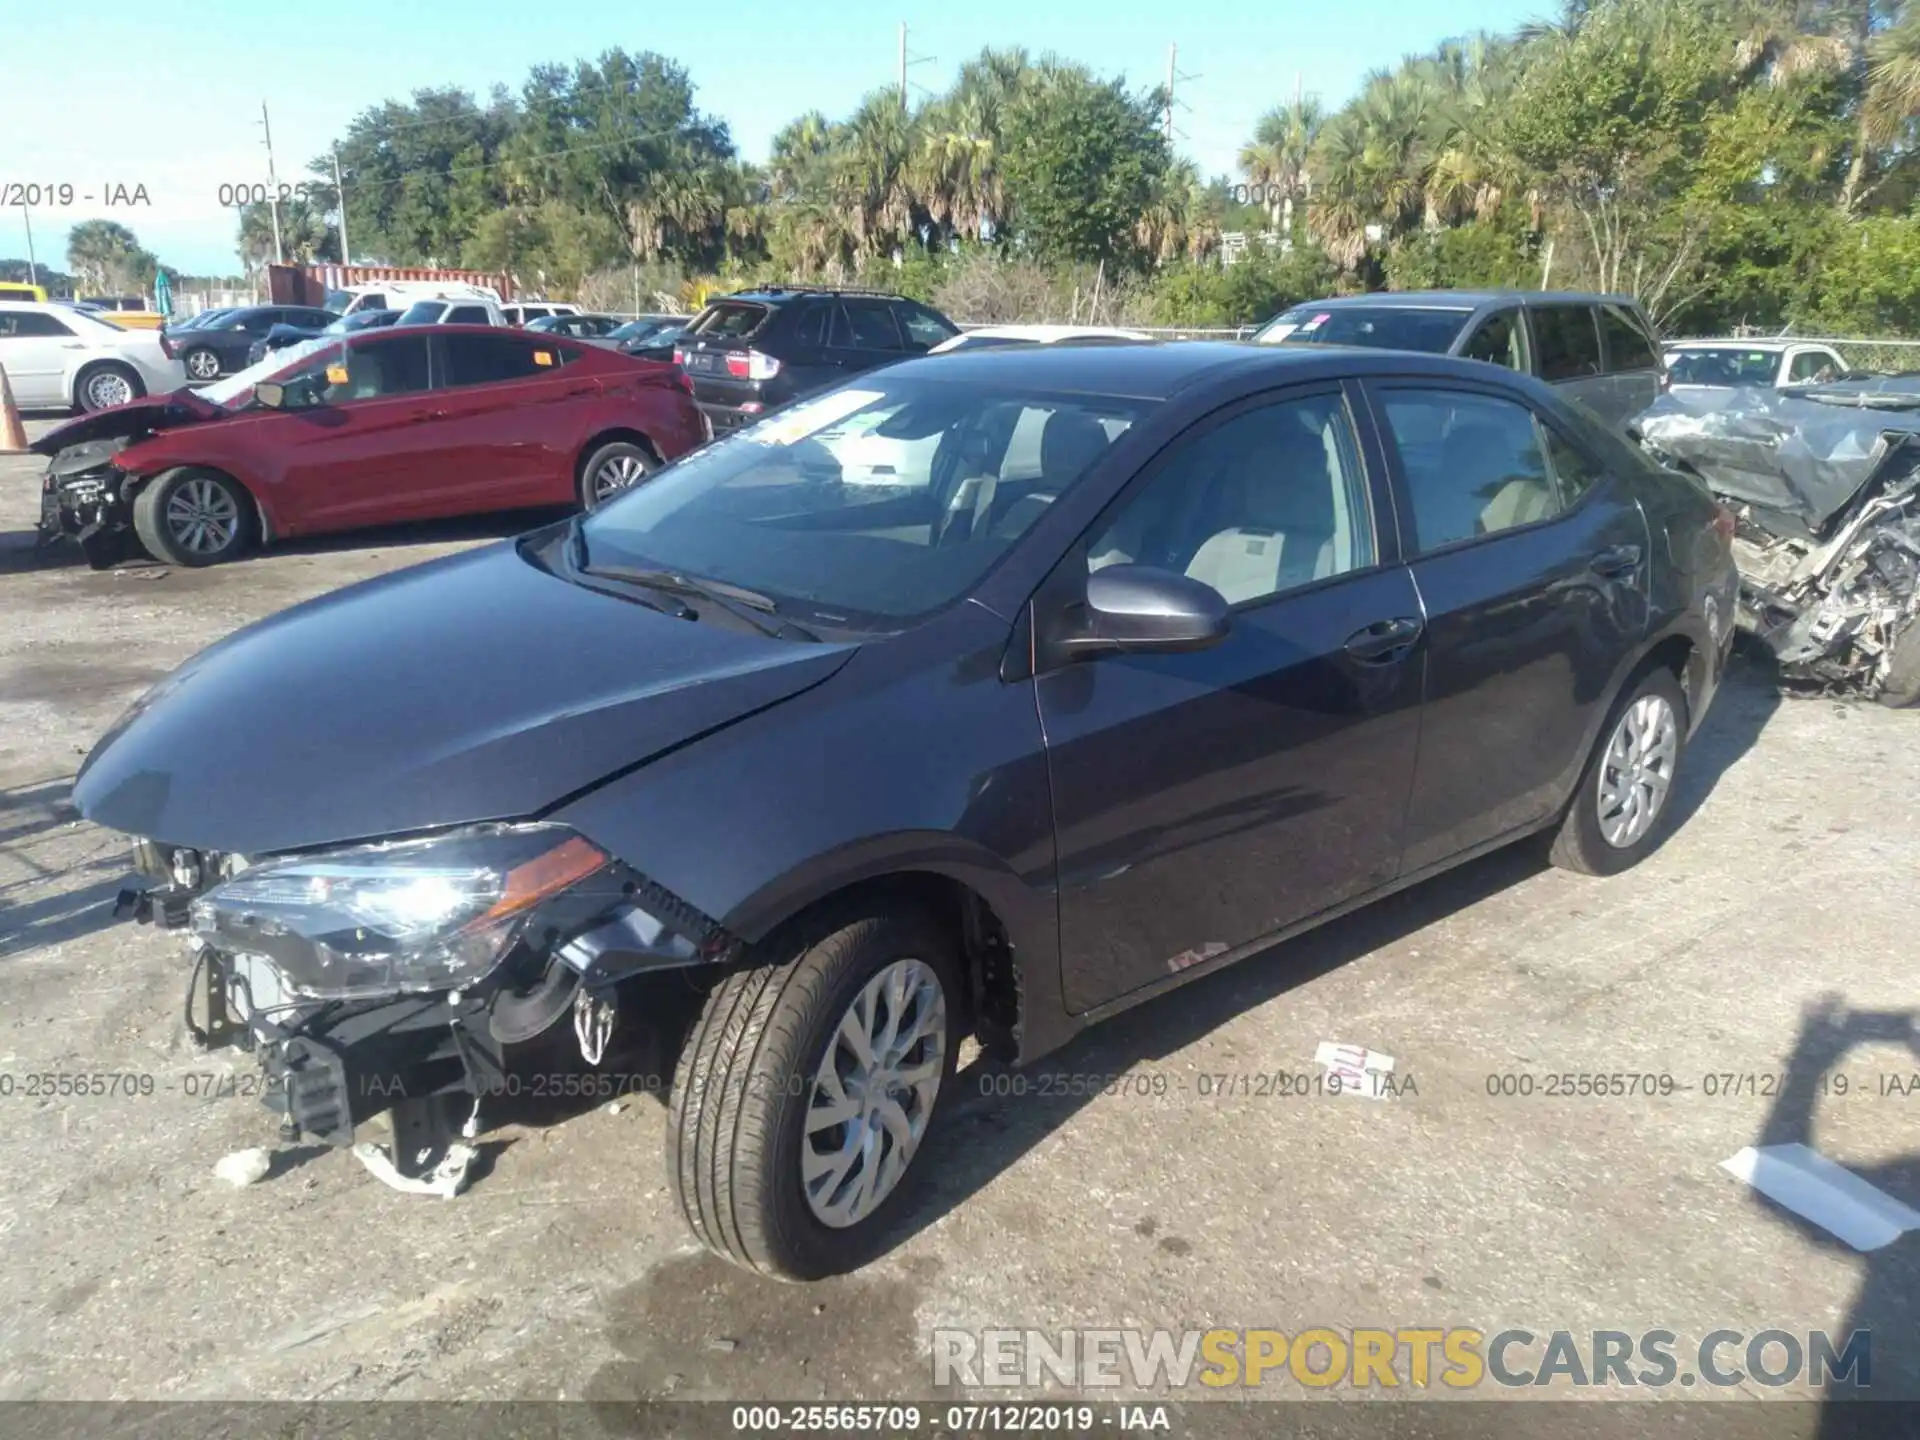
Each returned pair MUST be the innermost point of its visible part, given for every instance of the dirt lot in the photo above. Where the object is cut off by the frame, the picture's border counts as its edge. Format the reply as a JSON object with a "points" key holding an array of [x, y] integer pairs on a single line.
{"points": [[132, 1272]]}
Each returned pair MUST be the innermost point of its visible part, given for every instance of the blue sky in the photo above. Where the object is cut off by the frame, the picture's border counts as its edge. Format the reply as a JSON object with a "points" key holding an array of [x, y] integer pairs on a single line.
{"points": [[184, 120]]}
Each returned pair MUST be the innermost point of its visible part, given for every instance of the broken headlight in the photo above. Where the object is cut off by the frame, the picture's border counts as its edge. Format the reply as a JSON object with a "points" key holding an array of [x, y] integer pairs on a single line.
{"points": [[408, 916]]}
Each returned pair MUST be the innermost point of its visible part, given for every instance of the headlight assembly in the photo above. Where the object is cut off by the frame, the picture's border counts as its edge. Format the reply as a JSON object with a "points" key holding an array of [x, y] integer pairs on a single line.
{"points": [[409, 916]]}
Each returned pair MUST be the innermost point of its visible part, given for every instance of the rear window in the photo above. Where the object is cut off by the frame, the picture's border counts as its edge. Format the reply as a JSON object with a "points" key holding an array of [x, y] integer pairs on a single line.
{"points": [[729, 320], [1628, 346], [1380, 327], [467, 315], [1729, 366], [421, 312], [1568, 344]]}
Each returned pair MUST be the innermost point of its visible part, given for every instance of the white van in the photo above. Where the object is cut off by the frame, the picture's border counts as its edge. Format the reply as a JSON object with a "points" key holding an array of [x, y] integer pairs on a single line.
{"points": [[399, 294]]}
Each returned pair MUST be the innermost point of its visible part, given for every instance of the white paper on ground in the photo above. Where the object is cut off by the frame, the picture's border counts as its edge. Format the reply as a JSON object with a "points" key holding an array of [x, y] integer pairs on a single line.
{"points": [[1831, 1196], [1356, 1068]]}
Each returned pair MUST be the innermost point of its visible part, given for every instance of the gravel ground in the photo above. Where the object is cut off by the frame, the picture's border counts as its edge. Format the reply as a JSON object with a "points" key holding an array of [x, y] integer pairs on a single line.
{"points": [[133, 1273]]}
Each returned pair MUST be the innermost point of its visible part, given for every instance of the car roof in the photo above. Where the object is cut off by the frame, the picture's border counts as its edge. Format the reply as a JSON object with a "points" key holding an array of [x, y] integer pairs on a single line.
{"points": [[1461, 299], [1051, 332], [780, 294], [1732, 344], [1160, 369]]}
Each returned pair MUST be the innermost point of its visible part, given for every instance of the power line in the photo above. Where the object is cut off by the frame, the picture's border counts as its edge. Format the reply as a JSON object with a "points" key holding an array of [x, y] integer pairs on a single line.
{"points": [[905, 62]]}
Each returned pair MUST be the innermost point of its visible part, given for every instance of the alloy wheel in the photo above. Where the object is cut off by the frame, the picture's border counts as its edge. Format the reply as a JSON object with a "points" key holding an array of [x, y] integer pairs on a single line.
{"points": [[108, 388], [203, 365], [617, 473], [1636, 772], [202, 516], [873, 1094]]}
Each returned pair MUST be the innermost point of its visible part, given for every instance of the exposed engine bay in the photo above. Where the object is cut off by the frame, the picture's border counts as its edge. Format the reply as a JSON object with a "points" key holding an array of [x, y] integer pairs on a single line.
{"points": [[1824, 482]]}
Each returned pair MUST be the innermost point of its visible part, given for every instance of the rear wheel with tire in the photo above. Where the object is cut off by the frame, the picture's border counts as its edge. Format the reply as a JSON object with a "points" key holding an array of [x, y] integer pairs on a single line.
{"points": [[613, 469], [805, 1090], [194, 517], [1619, 811], [201, 364], [101, 387]]}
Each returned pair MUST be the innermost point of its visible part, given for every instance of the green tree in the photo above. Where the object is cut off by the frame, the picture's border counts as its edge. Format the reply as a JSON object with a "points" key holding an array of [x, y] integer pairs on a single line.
{"points": [[108, 258], [1084, 158]]}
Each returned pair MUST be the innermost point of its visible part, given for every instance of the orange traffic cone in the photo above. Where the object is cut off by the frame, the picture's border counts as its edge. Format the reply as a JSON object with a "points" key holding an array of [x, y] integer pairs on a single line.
{"points": [[13, 435]]}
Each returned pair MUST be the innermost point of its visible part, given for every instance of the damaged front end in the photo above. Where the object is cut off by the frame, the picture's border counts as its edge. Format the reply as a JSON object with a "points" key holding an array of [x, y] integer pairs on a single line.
{"points": [[1824, 484], [83, 498], [411, 976]]}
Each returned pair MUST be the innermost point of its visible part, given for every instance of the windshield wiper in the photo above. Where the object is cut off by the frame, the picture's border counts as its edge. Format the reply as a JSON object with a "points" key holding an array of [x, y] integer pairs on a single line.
{"points": [[748, 605]]}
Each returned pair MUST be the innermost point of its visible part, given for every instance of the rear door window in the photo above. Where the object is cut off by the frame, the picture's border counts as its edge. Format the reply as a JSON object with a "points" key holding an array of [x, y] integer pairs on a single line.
{"points": [[1566, 342], [492, 359], [1474, 464], [1499, 340], [1628, 345], [811, 328]]}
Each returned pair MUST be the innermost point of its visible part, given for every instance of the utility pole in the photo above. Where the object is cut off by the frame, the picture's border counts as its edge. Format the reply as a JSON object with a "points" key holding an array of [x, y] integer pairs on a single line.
{"points": [[340, 190], [273, 188], [903, 67], [1172, 51], [33, 269]]}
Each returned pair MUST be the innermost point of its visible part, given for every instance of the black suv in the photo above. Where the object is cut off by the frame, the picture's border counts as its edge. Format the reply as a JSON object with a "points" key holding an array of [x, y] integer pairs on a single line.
{"points": [[755, 350]]}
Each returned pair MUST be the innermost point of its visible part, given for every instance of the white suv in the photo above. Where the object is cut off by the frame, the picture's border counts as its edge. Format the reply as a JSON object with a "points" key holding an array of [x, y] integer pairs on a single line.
{"points": [[521, 311], [452, 312]]}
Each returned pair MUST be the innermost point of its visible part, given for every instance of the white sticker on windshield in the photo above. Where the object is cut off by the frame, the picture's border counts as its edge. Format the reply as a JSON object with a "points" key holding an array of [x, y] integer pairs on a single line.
{"points": [[1280, 332], [803, 420]]}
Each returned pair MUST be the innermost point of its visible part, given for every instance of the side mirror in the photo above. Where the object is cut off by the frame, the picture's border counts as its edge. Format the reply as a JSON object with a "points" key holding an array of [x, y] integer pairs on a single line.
{"points": [[271, 394], [1136, 609]]}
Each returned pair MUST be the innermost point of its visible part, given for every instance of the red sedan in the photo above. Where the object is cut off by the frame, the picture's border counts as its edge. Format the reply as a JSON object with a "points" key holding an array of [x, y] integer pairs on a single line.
{"points": [[365, 429]]}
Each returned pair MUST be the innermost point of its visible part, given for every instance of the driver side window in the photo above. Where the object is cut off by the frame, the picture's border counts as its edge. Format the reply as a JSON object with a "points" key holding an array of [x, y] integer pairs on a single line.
{"points": [[1265, 502], [368, 370]]}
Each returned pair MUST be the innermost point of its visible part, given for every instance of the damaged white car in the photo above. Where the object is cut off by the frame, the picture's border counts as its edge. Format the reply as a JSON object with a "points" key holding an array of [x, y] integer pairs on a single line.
{"points": [[1824, 481]]}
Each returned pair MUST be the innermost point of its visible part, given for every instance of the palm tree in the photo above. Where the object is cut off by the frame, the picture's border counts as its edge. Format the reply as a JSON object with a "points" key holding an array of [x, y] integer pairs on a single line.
{"points": [[871, 174], [1893, 81], [956, 175], [1276, 159]]}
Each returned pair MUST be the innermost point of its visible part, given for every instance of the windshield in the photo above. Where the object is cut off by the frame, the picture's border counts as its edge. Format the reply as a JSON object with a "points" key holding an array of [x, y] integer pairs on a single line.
{"points": [[633, 329], [1731, 366], [422, 312], [338, 300], [868, 507], [1380, 327], [232, 391]]}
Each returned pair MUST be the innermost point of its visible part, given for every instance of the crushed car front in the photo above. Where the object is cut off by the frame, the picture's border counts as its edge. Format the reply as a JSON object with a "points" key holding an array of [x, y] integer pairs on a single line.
{"points": [[1824, 483]]}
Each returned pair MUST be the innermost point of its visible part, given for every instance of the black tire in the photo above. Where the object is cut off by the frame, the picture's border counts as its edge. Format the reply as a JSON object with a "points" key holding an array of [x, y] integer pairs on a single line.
{"points": [[1582, 844], [1902, 690], [202, 365], [156, 523], [636, 461], [744, 1082], [89, 380]]}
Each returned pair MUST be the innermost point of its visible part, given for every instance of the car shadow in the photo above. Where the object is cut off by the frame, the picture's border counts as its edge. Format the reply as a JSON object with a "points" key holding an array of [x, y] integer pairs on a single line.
{"points": [[1748, 697], [1887, 1305]]}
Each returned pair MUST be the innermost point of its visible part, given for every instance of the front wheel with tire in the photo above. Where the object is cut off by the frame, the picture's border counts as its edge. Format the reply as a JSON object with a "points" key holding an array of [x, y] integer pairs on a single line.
{"points": [[805, 1090], [194, 517], [613, 469], [201, 365], [1901, 690], [1617, 816], [101, 387]]}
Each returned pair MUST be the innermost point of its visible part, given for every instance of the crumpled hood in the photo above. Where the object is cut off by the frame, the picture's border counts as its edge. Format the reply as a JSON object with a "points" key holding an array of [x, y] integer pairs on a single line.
{"points": [[476, 687], [1803, 453], [136, 417]]}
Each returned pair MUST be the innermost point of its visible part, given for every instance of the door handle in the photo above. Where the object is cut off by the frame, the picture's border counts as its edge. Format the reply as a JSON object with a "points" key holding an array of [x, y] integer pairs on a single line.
{"points": [[420, 417], [584, 390], [1620, 560], [1384, 641]]}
